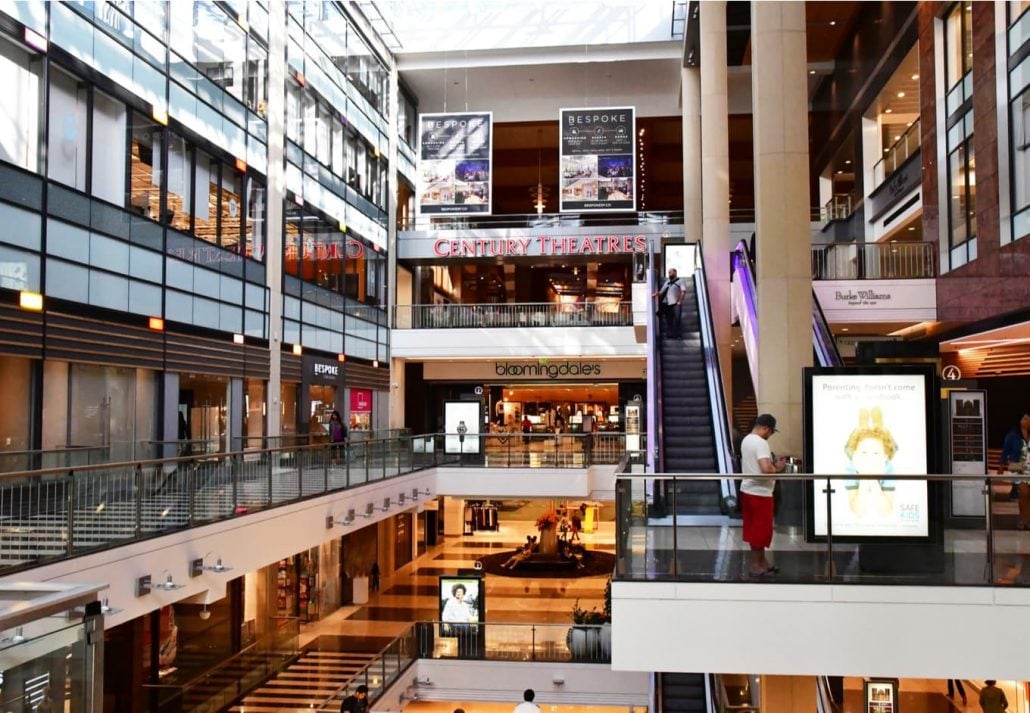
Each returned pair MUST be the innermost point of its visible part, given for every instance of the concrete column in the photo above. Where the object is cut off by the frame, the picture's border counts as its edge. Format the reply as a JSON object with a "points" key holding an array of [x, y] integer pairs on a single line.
{"points": [[715, 180], [780, 97], [691, 84], [397, 386], [453, 516], [276, 195], [788, 694]]}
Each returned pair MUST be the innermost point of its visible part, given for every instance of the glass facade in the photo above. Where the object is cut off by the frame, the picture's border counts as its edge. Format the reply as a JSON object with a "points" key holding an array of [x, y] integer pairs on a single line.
{"points": [[1019, 119], [962, 192]]}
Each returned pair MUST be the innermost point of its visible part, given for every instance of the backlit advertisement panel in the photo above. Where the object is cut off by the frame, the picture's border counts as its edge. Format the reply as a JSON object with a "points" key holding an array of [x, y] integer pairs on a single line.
{"points": [[598, 158], [870, 424], [455, 160]]}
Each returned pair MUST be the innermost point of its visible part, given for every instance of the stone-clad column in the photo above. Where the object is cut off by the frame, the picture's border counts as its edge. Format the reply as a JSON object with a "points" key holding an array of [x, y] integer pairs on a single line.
{"points": [[276, 195], [691, 85], [780, 97], [715, 179]]}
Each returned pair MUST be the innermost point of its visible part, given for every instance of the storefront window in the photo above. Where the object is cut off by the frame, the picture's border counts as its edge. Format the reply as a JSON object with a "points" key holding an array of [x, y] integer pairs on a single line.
{"points": [[15, 418], [288, 395], [203, 412], [254, 230], [958, 42], [66, 147], [254, 413], [145, 184], [180, 183], [20, 76], [962, 189], [323, 403]]}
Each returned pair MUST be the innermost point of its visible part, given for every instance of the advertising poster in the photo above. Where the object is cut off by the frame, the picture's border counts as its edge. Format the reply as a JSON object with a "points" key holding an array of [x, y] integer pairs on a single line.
{"points": [[968, 414], [461, 604], [598, 159], [871, 424], [880, 697], [454, 167], [459, 416]]}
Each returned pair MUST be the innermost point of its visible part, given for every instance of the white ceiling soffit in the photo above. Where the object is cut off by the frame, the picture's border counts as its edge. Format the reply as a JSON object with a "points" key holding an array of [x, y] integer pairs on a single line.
{"points": [[537, 92], [468, 25], [1010, 335]]}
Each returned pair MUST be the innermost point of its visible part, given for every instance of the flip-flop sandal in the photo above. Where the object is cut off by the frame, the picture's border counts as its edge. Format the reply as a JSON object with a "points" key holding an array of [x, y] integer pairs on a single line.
{"points": [[763, 573]]}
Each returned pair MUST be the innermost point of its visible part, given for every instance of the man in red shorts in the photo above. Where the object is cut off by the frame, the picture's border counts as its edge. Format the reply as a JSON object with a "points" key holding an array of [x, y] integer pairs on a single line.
{"points": [[756, 498]]}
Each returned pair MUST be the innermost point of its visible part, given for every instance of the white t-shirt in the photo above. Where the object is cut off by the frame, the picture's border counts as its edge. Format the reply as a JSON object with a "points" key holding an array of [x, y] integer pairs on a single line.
{"points": [[752, 449], [527, 707]]}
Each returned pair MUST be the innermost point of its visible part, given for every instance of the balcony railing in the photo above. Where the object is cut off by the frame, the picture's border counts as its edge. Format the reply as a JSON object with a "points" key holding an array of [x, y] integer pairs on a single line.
{"points": [[853, 518], [837, 208], [53, 514], [531, 314], [485, 641], [874, 261], [906, 145], [546, 220], [231, 679]]}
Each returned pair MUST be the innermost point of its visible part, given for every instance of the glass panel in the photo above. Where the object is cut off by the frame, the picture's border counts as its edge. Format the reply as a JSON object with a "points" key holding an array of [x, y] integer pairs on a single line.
{"points": [[254, 229], [957, 188], [145, 147], [231, 208], [205, 218], [971, 188], [109, 126], [66, 149], [20, 78], [180, 183]]}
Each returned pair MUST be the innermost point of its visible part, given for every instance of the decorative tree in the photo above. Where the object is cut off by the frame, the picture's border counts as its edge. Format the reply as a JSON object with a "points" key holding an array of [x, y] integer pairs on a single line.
{"points": [[547, 524]]}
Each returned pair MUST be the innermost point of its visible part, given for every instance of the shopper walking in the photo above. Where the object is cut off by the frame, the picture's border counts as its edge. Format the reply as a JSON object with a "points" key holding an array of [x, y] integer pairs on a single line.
{"points": [[992, 698], [356, 702], [756, 498], [527, 705], [954, 683], [1015, 458]]}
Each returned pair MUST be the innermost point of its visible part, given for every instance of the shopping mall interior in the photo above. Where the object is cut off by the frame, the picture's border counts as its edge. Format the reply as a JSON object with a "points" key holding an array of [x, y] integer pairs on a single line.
{"points": [[398, 356]]}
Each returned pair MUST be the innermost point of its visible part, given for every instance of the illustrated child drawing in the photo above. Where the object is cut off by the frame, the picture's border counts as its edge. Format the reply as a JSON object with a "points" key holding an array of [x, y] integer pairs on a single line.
{"points": [[870, 450]]}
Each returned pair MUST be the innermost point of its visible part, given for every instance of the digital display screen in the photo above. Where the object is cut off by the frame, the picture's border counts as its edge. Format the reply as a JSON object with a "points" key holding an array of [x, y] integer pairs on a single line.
{"points": [[870, 424]]}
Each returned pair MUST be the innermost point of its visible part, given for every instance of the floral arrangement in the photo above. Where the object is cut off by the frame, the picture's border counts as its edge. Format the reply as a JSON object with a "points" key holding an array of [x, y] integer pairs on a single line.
{"points": [[547, 521], [582, 616]]}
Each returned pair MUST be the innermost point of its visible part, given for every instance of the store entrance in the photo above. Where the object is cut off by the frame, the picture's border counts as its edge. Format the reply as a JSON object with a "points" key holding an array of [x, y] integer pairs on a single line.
{"points": [[202, 413], [572, 408]]}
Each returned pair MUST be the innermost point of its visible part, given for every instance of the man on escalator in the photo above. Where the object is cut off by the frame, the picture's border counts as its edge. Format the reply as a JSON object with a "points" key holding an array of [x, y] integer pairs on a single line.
{"points": [[670, 296]]}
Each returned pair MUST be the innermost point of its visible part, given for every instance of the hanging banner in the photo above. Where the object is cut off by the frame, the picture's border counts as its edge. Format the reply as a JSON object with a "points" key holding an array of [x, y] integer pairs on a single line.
{"points": [[455, 157], [598, 159]]}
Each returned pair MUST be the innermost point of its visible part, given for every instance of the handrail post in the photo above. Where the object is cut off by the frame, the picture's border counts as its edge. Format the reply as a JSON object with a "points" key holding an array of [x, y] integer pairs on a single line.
{"points": [[829, 530], [70, 513], [138, 500], [191, 486], [325, 467], [990, 530], [532, 646], [271, 455], [236, 473]]}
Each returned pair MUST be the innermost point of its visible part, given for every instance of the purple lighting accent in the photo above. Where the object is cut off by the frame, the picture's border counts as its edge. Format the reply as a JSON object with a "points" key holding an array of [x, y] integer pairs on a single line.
{"points": [[35, 40]]}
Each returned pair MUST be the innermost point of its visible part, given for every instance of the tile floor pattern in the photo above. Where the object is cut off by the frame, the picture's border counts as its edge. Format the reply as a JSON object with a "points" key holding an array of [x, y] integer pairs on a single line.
{"points": [[340, 645]]}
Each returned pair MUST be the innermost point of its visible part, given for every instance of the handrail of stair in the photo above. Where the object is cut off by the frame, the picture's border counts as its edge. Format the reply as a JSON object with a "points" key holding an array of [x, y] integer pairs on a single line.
{"points": [[713, 372]]}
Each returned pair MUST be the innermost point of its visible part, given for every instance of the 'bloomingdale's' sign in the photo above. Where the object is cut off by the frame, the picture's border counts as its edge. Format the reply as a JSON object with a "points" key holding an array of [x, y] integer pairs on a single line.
{"points": [[566, 369], [544, 369]]}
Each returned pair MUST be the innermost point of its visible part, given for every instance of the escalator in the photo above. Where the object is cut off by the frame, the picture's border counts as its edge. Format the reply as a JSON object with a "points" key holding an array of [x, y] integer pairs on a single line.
{"points": [[744, 299], [694, 434], [683, 693]]}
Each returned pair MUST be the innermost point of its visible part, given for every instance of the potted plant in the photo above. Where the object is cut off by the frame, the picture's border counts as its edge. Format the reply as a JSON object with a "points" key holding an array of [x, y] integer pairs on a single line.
{"points": [[584, 638]]}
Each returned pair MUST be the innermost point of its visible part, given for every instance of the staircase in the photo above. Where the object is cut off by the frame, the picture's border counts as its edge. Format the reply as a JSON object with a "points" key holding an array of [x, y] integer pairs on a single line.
{"points": [[688, 441], [683, 693]]}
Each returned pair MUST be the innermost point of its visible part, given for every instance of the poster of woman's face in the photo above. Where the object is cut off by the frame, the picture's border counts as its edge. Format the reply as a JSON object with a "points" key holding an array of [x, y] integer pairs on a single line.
{"points": [[871, 425]]}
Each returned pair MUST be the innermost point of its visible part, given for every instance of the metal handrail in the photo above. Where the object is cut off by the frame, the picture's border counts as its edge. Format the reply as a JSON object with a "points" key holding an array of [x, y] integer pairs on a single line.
{"points": [[408, 634], [874, 261], [713, 369], [513, 315], [897, 153], [534, 220]]}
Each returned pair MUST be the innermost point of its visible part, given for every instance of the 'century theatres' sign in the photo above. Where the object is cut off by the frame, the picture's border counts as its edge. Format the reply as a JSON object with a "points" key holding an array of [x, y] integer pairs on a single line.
{"points": [[541, 245]]}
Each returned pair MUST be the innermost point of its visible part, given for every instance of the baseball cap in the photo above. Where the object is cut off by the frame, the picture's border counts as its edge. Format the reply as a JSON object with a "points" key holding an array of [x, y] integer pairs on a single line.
{"points": [[766, 419]]}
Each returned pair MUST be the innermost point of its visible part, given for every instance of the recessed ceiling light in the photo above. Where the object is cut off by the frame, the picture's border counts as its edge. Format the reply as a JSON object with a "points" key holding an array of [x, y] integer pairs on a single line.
{"points": [[909, 124], [848, 162], [839, 171], [811, 71], [888, 110], [844, 329], [901, 95], [911, 227], [915, 77], [833, 23]]}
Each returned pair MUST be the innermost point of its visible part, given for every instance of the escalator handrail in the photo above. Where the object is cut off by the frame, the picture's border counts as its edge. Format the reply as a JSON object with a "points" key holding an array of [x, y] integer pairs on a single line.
{"points": [[713, 371], [827, 349], [656, 455]]}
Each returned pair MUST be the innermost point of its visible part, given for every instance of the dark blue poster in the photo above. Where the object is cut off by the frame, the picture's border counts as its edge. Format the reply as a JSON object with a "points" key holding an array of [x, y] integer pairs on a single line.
{"points": [[598, 159], [455, 157]]}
